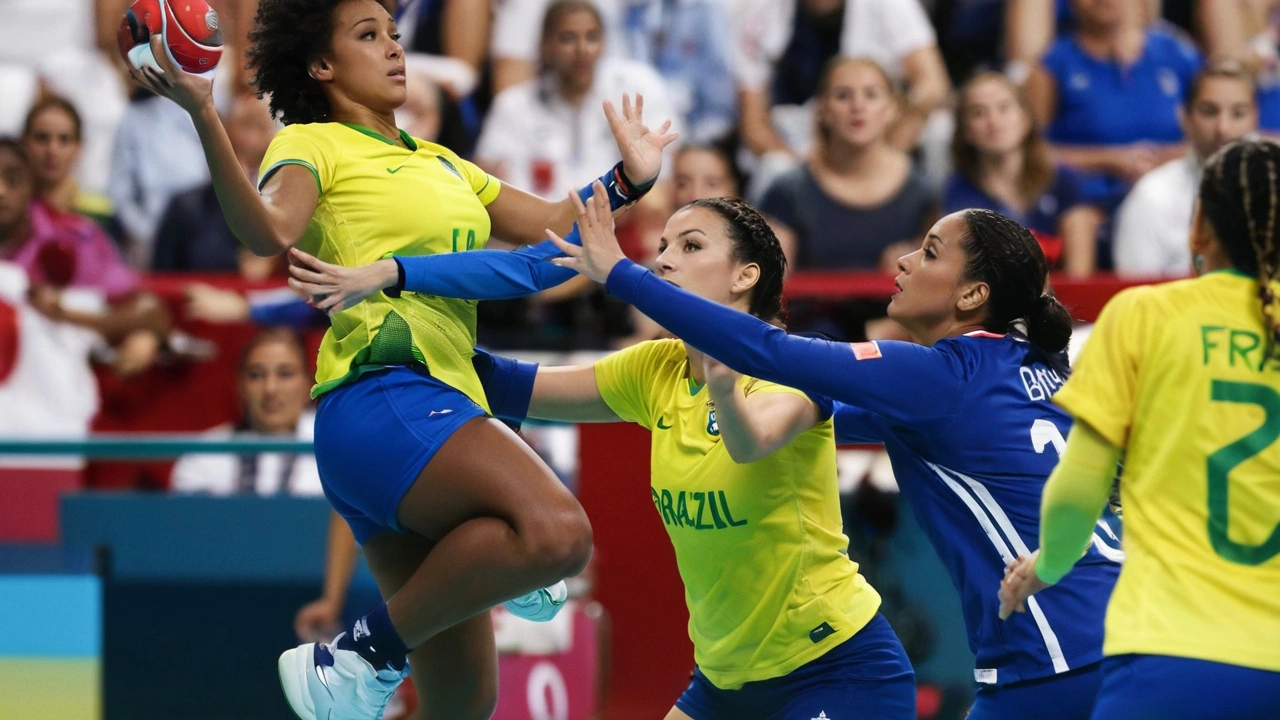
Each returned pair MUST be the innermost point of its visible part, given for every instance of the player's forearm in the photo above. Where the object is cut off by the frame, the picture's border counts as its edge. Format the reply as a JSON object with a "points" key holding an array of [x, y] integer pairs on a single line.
{"points": [[1074, 497], [747, 436], [486, 274], [247, 216]]}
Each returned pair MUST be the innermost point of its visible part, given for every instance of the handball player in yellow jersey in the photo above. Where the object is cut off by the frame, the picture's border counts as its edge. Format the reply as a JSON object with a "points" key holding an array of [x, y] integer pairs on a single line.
{"points": [[455, 513], [1184, 380]]}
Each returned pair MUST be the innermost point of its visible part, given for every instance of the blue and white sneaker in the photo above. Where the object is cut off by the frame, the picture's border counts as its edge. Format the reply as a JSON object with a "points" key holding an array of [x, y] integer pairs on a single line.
{"points": [[322, 682], [539, 605]]}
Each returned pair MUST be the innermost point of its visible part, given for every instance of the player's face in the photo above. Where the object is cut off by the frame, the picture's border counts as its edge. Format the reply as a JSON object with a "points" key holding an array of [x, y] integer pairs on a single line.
{"points": [[1223, 111], [52, 146], [993, 120], [367, 63], [572, 49], [702, 174], [858, 106], [696, 254], [274, 387], [930, 280], [15, 189]]}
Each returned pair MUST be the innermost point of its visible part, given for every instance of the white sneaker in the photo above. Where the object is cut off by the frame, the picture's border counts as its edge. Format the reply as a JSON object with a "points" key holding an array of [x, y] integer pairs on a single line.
{"points": [[539, 605], [322, 682]]}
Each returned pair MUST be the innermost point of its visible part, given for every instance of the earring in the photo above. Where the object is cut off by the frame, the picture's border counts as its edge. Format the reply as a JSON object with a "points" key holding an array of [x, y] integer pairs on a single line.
{"points": [[1197, 262]]}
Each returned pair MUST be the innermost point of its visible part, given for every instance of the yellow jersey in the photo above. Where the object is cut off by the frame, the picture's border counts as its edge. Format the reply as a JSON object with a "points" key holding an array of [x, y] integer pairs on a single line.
{"points": [[377, 198], [1174, 374], [760, 545]]}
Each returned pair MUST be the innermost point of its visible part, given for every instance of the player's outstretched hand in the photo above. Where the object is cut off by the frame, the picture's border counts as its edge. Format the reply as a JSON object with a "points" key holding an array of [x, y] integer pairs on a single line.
{"points": [[1020, 582], [192, 92], [641, 147], [333, 288], [600, 250]]}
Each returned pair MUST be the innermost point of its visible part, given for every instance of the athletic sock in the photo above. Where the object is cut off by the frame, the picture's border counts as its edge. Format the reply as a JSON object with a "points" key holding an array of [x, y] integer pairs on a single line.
{"points": [[376, 640]]}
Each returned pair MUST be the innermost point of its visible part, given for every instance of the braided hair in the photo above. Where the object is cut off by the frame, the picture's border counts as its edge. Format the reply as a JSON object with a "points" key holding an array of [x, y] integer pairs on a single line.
{"points": [[1240, 197], [753, 242], [1005, 256]]}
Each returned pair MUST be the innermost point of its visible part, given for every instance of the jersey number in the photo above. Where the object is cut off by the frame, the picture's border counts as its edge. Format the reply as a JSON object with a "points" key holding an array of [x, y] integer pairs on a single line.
{"points": [[1222, 462]]}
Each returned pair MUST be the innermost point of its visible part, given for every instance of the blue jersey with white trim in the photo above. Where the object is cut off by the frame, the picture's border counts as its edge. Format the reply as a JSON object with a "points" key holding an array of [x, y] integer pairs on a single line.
{"points": [[973, 438], [973, 468]]}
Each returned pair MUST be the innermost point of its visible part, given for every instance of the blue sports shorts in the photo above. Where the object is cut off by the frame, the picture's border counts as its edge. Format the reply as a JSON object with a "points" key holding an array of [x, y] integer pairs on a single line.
{"points": [[866, 676], [1068, 696], [1160, 687], [375, 434]]}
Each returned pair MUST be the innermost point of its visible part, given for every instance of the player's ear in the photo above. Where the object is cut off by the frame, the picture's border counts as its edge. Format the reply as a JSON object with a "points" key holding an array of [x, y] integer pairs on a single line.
{"points": [[973, 296], [748, 276], [319, 69]]}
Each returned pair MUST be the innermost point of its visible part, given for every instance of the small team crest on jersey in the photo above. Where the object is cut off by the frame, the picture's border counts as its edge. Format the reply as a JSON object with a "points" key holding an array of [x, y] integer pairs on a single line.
{"points": [[713, 425], [449, 166], [866, 350]]}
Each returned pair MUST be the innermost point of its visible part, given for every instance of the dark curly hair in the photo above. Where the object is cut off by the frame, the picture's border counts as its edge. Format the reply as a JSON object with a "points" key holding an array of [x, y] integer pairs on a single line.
{"points": [[286, 35], [753, 242], [1005, 256]]}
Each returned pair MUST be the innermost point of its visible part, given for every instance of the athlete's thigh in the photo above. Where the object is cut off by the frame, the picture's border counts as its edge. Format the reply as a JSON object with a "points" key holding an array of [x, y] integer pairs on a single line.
{"points": [[455, 670], [1065, 697], [485, 470]]}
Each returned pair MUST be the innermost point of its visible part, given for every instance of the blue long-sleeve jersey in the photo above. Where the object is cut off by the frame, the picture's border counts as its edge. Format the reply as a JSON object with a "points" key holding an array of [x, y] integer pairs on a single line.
{"points": [[972, 435]]}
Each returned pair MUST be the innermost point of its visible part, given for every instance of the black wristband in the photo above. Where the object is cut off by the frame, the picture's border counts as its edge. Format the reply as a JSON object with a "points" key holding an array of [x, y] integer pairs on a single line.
{"points": [[395, 290]]}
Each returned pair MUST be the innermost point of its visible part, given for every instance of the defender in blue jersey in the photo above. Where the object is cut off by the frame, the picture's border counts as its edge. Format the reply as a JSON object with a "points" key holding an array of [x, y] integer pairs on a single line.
{"points": [[965, 416]]}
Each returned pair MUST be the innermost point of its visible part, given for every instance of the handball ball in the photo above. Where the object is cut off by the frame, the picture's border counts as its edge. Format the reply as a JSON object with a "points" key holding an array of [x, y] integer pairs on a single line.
{"points": [[188, 28]]}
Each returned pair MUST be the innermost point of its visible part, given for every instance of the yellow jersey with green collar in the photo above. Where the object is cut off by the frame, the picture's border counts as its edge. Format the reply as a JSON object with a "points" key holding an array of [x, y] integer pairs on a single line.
{"points": [[1174, 374], [379, 197], [760, 546]]}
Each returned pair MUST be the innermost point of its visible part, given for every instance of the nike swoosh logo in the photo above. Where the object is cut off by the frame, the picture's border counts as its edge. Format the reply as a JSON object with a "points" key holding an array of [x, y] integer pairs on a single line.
{"points": [[393, 172], [323, 680], [661, 419]]}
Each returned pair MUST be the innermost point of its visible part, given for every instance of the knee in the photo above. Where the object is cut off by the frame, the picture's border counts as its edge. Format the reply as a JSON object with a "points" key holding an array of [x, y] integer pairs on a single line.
{"points": [[562, 541]]}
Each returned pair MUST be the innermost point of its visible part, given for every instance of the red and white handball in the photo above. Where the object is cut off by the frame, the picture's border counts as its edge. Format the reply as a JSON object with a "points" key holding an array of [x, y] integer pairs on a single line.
{"points": [[189, 29]]}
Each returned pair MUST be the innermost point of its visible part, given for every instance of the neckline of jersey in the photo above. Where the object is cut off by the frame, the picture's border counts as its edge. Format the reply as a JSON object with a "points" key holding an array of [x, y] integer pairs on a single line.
{"points": [[1229, 271], [404, 136]]}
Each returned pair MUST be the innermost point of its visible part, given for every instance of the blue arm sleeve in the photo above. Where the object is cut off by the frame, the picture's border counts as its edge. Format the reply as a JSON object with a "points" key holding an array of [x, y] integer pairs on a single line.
{"points": [[508, 385], [487, 274], [898, 380], [857, 426], [294, 313]]}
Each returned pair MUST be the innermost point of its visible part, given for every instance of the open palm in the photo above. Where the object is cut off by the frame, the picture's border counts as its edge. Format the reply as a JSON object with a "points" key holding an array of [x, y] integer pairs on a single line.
{"points": [[641, 148]]}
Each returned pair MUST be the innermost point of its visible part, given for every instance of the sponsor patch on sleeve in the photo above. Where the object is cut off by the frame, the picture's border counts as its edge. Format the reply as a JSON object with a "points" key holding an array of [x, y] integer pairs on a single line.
{"points": [[866, 350]]}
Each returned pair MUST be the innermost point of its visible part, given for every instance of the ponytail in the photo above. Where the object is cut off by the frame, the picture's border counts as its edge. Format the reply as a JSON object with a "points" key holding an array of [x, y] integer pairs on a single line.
{"points": [[1049, 324]]}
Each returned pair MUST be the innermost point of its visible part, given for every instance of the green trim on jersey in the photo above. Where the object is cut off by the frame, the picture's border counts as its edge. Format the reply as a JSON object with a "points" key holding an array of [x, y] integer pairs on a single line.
{"points": [[404, 136], [272, 171]]}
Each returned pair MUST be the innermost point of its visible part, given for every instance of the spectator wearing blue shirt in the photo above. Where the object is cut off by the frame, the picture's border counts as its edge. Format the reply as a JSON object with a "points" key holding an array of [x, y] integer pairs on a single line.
{"points": [[1003, 164], [1108, 97]]}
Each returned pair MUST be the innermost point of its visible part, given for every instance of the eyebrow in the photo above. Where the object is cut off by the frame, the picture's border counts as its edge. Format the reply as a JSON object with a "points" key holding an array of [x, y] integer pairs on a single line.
{"points": [[691, 231], [935, 237], [368, 19]]}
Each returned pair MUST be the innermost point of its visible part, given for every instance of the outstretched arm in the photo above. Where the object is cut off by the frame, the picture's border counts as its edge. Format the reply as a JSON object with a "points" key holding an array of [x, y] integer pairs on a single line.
{"points": [[902, 381]]}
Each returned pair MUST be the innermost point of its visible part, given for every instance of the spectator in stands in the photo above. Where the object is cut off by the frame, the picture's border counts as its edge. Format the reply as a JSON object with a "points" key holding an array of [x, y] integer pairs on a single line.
{"points": [[69, 251], [1108, 97], [193, 235], [52, 138], [1003, 164], [1154, 222], [784, 44], [548, 134], [1248, 30], [1032, 26], [274, 386], [857, 199], [157, 155]]}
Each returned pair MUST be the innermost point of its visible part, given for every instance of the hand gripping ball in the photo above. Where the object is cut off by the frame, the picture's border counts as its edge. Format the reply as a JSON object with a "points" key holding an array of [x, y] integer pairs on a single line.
{"points": [[189, 29]]}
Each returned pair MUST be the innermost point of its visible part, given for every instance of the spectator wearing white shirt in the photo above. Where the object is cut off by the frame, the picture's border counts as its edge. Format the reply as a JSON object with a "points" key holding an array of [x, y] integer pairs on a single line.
{"points": [[549, 134], [274, 386], [782, 46], [1154, 221]]}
